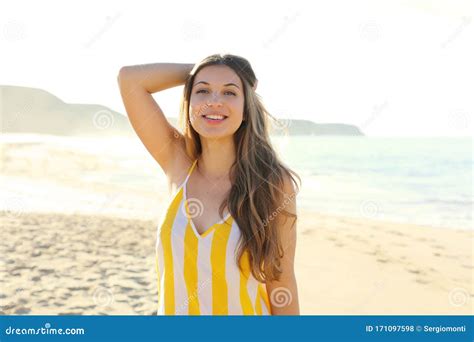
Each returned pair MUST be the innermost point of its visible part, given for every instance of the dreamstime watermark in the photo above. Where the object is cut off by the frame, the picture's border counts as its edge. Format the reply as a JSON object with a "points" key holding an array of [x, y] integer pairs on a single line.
{"points": [[370, 30], [102, 296], [370, 209], [280, 121], [13, 31], [108, 23], [103, 119], [192, 30], [378, 285], [177, 134], [14, 206], [464, 22], [458, 296], [460, 120], [194, 296], [103, 206], [14, 116], [281, 297], [282, 124], [287, 20], [376, 112], [108, 200], [46, 330], [192, 207], [193, 116], [282, 206]]}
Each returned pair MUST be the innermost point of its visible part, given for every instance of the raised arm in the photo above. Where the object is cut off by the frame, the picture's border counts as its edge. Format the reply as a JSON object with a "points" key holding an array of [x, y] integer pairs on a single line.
{"points": [[137, 83]]}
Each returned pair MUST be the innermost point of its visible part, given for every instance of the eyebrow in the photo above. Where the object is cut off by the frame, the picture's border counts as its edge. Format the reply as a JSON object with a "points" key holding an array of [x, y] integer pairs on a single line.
{"points": [[225, 85]]}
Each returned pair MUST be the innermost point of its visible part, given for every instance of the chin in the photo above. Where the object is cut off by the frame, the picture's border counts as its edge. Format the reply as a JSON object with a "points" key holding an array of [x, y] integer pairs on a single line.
{"points": [[216, 132], [215, 135]]}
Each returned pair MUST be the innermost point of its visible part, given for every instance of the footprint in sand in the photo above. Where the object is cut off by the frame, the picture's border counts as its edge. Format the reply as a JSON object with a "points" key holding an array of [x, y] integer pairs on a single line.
{"points": [[414, 271], [46, 271], [79, 288], [382, 260], [43, 245], [65, 296], [139, 281], [135, 271], [82, 308], [22, 311], [419, 273], [422, 281], [125, 288], [74, 313], [135, 296], [356, 237], [36, 254]]}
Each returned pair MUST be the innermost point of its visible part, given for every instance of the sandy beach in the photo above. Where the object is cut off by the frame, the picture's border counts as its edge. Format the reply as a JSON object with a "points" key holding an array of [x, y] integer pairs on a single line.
{"points": [[75, 264], [85, 257]]}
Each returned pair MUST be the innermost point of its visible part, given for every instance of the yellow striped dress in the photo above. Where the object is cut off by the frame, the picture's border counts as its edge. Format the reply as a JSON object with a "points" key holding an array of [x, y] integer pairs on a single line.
{"points": [[197, 273]]}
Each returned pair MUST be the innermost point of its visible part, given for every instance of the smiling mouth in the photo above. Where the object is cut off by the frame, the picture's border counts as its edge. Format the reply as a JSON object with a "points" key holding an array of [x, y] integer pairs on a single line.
{"points": [[215, 117]]}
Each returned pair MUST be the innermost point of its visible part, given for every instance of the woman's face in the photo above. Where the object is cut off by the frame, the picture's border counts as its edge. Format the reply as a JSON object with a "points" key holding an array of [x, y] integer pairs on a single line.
{"points": [[217, 102]]}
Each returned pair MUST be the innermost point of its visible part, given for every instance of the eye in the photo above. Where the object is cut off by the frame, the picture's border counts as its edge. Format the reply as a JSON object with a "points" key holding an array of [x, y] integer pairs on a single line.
{"points": [[202, 90]]}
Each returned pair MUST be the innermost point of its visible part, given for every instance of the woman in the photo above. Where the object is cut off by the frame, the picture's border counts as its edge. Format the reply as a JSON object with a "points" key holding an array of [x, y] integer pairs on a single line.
{"points": [[226, 244]]}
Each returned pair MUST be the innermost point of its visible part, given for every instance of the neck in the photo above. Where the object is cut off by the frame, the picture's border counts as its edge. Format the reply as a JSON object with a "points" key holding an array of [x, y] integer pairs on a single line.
{"points": [[217, 157]]}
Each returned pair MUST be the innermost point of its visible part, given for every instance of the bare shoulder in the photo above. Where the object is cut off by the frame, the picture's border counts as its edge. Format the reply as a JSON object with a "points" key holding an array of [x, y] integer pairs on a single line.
{"points": [[290, 190], [287, 207]]}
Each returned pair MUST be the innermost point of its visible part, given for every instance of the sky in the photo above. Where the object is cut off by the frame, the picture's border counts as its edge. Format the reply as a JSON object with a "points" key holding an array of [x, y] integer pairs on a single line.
{"points": [[392, 68]]}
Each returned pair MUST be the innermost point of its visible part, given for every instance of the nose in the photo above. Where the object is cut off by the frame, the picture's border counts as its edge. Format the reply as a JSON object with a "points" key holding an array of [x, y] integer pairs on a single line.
{"points": [[214, 100]]}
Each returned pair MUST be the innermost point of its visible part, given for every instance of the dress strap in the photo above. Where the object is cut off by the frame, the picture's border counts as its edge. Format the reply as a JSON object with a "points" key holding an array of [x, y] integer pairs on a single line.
{"points": [[191, 170]]}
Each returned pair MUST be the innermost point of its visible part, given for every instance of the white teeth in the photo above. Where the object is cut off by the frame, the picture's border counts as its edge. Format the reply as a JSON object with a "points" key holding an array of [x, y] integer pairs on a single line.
{"points": [[215, 117]]}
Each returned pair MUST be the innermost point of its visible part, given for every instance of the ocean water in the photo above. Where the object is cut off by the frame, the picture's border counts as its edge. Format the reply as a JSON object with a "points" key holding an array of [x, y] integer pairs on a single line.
{"points": [[415, 180], [424, 181]]}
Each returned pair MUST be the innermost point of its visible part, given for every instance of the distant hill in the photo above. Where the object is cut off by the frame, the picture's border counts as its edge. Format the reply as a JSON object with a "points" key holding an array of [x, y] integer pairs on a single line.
{"points": [[306, 127], [32, 110]]}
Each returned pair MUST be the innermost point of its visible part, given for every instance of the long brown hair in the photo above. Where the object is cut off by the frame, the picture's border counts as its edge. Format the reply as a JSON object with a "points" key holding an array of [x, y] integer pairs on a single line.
{"points": [[257, 175]]}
